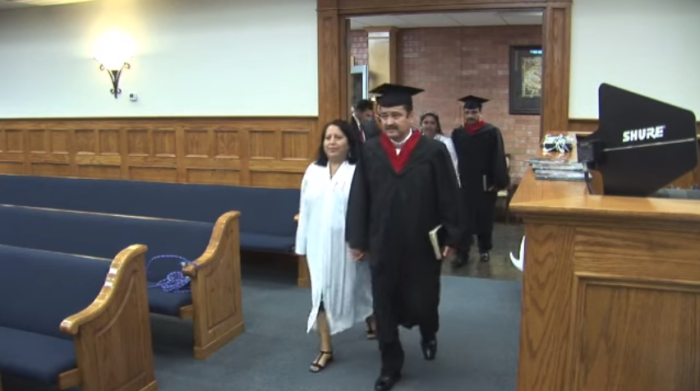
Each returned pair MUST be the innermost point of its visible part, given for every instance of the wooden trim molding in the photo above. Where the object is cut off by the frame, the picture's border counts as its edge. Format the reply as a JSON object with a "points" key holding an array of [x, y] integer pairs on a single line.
{"points": [[333, 54], [256, 152]]}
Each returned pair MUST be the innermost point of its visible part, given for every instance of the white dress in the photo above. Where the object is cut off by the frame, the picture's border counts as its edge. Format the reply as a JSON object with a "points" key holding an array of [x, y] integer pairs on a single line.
{"points": [[451, 149], [343, 284]]}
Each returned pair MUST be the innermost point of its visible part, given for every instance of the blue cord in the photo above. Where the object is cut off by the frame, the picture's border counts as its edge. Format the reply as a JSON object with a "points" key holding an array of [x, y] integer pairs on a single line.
{"points": [[174, 282]]}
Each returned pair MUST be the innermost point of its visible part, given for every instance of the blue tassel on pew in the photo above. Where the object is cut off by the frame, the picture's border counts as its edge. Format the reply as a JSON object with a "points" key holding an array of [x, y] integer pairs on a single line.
{"points": [[174, 282]]}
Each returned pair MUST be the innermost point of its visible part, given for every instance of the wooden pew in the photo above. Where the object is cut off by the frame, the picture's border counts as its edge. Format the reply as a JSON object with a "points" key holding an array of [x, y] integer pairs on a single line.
{"points": [[214, 304], [610, 290], [111, 336], [266, 226], [218, 319]]}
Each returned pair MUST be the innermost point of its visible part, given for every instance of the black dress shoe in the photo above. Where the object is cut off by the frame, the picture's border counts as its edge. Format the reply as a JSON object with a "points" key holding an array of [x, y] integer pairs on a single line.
{"points": [[485, 257], [429, 349], [386, 382]]}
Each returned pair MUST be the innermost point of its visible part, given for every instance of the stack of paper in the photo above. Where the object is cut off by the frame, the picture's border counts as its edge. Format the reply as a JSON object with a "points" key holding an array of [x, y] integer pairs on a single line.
{"points": [[558, 169]]}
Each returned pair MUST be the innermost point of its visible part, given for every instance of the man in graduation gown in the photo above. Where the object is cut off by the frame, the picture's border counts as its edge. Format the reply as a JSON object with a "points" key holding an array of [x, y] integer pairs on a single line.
{"points": [[404, 186], [362, 121], [483, 172]]}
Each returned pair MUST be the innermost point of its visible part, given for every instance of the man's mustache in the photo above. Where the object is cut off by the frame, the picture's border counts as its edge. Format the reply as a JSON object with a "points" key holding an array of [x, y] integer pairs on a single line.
{"points": [[391, 127]]}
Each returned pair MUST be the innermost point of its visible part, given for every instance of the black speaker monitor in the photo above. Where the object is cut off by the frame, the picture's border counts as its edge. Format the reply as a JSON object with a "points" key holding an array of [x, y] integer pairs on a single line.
{"points": [[641, 144]]}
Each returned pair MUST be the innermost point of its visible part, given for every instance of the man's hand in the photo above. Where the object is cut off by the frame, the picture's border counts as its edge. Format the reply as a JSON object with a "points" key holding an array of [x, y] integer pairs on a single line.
{"points": [[447, 252], [356, 255]]}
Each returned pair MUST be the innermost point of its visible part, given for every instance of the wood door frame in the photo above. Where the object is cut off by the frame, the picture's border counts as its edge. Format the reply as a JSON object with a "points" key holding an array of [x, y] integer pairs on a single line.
{"points": [[333, 63]]}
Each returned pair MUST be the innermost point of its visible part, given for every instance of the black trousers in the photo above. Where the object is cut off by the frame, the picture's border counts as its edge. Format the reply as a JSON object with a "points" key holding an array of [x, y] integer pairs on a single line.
{"points": [[484, 242], [390, 344]]}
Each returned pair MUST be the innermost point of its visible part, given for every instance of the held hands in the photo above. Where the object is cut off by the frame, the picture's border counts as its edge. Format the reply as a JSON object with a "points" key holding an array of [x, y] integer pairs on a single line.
{"points": [[357, 255], [447, 252]]}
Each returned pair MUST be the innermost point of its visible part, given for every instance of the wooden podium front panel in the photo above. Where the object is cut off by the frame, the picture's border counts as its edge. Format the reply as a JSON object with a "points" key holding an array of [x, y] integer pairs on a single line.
{"points": [[610, 308]]}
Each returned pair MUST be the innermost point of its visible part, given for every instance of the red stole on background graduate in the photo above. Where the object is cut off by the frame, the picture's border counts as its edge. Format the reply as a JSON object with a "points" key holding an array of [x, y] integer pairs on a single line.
{"points": [[399, 160], [471, 129]]}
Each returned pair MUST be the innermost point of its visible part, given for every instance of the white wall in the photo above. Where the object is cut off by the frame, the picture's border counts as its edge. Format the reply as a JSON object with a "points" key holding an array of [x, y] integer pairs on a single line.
{"points": [[193, 58], [650, 47]]}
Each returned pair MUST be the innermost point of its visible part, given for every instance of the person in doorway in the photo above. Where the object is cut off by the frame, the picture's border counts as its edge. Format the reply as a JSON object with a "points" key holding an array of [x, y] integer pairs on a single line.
{"points": [[430, 127], [362, 120], [403, 188], [483, 172], [340, 287]]}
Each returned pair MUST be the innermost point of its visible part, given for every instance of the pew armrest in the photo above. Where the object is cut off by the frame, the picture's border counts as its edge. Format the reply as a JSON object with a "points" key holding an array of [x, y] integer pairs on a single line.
{"points": [[216, 288], [113, 334]]}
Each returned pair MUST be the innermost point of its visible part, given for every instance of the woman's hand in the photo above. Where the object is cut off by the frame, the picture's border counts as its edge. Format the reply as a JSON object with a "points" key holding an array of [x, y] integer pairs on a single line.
{"points": [[357, 255]]}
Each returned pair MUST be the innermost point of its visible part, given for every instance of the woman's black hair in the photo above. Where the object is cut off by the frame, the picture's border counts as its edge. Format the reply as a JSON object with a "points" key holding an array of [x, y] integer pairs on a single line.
{"points": [[353, 143], [435, 116]]}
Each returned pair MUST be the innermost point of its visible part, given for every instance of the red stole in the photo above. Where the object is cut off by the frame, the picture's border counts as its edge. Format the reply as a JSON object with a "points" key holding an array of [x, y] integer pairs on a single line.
{"points": [[399, 160], [472, 129]]}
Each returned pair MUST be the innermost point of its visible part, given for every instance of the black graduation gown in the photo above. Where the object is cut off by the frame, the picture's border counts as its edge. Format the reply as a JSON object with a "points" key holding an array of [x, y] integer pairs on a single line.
{"points": [[369, 127], [389, 217], [481, 157]]}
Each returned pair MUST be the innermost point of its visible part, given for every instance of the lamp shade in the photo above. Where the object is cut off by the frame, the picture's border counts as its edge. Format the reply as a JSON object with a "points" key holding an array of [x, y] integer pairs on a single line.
{"points": [[113, 49]]}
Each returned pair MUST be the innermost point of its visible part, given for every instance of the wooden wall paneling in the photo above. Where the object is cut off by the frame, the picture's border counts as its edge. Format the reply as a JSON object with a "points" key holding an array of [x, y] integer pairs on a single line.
{"points": [[12, 159], [332, 50], [259, 152]]}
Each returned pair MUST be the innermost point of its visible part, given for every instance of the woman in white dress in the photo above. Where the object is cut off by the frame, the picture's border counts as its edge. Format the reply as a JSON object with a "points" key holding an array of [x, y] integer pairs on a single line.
{"points": [[341, 293], [430, 127]]}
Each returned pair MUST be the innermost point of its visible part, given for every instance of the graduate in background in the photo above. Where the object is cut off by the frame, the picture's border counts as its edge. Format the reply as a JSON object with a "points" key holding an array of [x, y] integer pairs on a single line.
{"points": [[341, 291], [483, 172], [430, 127], [362, 121], [404, 187]]}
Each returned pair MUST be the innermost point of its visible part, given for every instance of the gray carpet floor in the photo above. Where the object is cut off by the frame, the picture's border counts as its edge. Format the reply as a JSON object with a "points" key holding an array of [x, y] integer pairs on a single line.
{"points": [[478, 345]]}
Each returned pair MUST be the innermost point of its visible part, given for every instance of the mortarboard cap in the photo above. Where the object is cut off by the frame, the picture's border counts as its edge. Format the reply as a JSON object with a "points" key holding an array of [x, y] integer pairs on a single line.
{"points": [[473, 102], [391, 95]]}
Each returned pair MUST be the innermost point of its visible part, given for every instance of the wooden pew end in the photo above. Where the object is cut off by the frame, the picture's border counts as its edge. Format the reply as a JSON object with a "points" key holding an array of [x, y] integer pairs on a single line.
{"points": [[217, 309]]}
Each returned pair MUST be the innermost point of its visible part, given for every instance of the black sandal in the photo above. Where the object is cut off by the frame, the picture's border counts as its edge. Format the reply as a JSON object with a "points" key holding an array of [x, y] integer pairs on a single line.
{"points": [[371, 332], [316, 365]]}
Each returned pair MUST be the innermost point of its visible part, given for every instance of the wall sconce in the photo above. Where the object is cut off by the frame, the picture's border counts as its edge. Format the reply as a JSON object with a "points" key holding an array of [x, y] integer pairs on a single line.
{"points": [[115, 74], [113, 52]]}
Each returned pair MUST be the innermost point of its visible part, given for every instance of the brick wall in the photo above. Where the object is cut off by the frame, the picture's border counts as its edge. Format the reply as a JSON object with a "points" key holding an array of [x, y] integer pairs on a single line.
{"points": [[453, 62]]}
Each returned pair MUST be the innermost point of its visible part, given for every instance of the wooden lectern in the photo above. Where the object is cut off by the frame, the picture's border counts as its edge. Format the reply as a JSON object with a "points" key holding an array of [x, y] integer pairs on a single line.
{"points": [[611, 290]]}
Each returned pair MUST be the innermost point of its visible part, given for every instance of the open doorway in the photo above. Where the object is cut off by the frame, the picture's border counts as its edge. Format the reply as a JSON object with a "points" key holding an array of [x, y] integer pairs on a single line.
{"points": [[492, 54]]}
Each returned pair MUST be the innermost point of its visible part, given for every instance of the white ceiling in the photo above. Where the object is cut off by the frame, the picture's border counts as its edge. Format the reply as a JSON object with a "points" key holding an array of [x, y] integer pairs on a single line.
{"points": [[474, 18], [8, 5]]}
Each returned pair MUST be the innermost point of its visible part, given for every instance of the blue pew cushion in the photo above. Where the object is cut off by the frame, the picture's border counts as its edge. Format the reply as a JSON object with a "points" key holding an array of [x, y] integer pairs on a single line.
{"points": [[39, 289], [167, 303], [35, 356], [263, 210], [261, 242], [104, 236]]}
